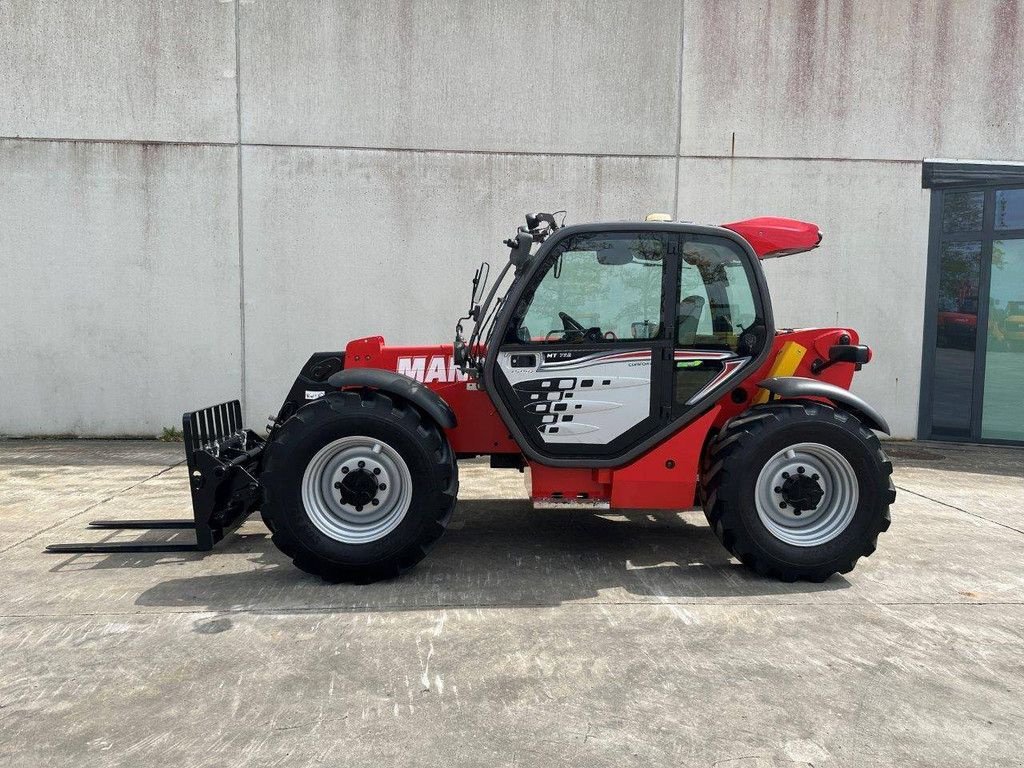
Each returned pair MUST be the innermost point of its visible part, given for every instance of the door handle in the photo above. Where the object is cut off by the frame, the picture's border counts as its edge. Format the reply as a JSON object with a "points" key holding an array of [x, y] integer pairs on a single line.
{"points": [[524, 361]]}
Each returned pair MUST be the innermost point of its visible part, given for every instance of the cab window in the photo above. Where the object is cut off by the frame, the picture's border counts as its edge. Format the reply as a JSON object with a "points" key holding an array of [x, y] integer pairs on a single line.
{"points": [[716, 311], [716, 298], [599, 287]]}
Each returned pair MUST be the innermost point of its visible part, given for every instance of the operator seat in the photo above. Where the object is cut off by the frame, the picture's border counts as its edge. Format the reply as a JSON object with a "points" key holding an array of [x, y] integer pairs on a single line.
{"points": [[687, 317]]}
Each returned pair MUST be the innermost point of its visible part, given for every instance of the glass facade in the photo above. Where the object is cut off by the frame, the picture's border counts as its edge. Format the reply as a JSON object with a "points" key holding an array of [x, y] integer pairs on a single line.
{"points": [[1002, 413], [956, 332], [974, 386]]}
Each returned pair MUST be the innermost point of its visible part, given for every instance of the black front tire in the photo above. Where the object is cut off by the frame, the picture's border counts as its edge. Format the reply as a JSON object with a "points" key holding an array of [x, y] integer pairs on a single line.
{"points": [[729, 487], [417, 440]]}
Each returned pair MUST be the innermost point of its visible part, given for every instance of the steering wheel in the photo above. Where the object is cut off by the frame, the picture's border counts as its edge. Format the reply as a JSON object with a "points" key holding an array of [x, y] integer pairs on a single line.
{"points": [[581, 333], [570, 323]]}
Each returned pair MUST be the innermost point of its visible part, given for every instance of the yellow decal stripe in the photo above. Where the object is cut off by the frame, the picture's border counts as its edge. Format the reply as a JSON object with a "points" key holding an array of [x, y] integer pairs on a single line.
{"points": [[786, 363]]}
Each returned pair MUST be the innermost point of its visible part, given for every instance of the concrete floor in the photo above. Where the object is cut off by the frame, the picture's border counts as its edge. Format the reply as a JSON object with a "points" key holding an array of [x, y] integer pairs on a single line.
{"points": [[527, 637]]}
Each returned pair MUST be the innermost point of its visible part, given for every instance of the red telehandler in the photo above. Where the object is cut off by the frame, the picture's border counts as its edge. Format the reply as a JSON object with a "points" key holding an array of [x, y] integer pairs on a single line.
{"points": [[621, 365]]}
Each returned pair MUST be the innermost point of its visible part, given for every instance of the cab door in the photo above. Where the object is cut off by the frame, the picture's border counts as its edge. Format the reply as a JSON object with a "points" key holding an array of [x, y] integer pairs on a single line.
{"points": [[584, 366], [721, 321]]}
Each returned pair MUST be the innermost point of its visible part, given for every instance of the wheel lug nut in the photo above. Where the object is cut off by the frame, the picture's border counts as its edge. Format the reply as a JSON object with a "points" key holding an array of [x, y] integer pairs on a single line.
{"points": [[337, 485], [785, 475], [783, 505], [376, 470], [796, 512], [382, 487], [778, 489], [375, 502], [362, 464], [814, 477], [359, 507], [800, 470], [344, 470]]}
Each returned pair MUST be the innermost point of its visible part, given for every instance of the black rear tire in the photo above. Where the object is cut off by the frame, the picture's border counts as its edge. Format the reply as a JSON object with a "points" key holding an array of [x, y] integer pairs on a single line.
{"points": [[729, 488], [419, 443]]}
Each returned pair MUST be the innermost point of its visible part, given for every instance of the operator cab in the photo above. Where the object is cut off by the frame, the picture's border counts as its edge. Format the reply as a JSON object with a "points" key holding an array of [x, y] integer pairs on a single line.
{"points": [[615, 335]]}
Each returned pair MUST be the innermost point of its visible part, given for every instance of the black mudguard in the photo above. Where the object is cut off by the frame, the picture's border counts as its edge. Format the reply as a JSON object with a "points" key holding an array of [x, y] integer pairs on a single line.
{"points": [[424, 398], [311, 383], [798, 386]]}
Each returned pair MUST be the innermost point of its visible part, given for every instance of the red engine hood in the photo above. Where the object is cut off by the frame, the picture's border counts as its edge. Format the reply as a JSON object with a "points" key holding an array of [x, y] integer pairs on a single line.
{"points": [[771, 236]]}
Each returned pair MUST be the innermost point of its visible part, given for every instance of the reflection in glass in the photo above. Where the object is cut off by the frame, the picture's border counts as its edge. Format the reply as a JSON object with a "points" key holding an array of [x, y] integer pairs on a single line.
{"points": [[1010, 209], [956, 332], [962, 211], [1002, 415]]}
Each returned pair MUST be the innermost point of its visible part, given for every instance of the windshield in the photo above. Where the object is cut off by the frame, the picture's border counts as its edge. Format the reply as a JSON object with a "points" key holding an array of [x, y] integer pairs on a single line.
{"points": [[606, 286]]}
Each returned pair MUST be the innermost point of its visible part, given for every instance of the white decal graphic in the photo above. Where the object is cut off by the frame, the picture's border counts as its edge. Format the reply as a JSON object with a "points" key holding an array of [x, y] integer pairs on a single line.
{"points": [[589, 399], [595, 397], [428, 370], [311, 395]]}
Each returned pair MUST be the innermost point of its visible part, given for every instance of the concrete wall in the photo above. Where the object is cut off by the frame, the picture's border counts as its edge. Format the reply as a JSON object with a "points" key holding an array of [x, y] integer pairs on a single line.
{"points": [[197, 194], [119, 296]]}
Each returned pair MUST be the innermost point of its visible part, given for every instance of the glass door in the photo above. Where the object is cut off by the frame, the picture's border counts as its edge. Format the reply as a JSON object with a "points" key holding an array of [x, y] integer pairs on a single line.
{"points": [[1002, 413]]}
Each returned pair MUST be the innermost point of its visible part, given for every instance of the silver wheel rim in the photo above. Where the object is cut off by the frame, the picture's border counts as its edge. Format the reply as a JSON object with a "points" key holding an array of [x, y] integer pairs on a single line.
{"points": [[832, 514], [351, 523]]}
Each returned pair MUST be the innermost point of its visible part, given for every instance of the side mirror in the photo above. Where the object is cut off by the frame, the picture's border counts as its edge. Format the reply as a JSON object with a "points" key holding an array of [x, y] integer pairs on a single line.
{"points": [[480, 283]]}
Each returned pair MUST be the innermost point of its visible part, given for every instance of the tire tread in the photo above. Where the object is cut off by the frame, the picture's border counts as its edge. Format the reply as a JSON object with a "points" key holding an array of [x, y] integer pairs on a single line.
{"points": [[724, 458], [404, 415]]}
